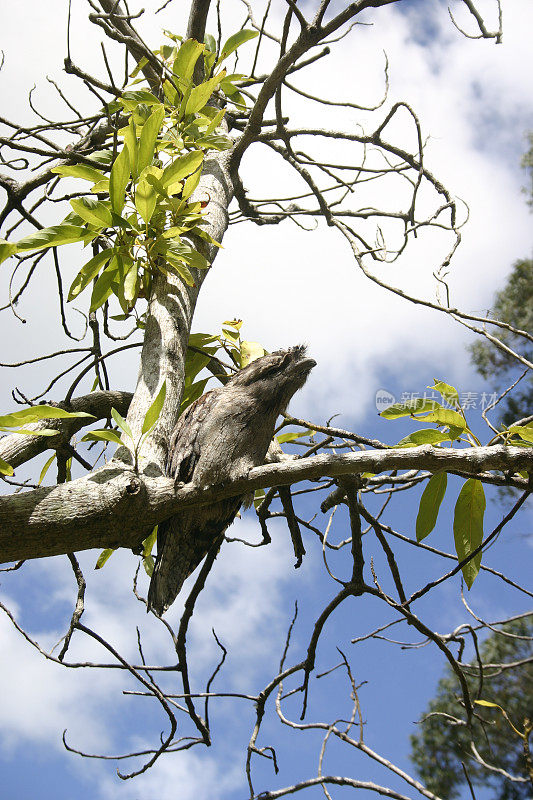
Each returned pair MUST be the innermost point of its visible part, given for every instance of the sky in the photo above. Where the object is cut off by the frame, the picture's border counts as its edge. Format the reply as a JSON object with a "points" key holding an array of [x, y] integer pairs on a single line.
{"points": [[474, 100]]}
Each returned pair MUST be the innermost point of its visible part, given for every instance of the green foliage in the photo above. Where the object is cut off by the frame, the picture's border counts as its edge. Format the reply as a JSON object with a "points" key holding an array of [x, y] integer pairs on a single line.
{"points": [[512, 304], [149, 422], [148, 545], [468, 527], [127, 439], [430, 502], [439, 747], [11, 423], [147, 211], [470, 506]]}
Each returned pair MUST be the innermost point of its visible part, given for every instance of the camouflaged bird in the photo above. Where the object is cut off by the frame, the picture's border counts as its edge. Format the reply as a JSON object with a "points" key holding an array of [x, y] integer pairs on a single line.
{"points": [[219, 438]]}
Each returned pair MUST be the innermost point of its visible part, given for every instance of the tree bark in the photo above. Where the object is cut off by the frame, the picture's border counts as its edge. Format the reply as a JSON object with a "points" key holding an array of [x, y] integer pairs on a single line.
{"points": [[18, 448], [115, 507], [169, 323]]}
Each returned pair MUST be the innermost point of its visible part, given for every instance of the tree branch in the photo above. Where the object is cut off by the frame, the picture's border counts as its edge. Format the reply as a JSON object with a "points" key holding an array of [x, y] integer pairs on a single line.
{"points": [[18, 448], [115, 507]]}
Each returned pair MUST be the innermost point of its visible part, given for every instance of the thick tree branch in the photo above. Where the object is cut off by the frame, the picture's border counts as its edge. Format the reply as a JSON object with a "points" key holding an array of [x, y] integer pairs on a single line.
{"points": [[115, 507], [169, 321], [18, 448]]}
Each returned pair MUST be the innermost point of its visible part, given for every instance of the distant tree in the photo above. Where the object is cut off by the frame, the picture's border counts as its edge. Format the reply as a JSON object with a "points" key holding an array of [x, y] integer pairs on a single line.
{"points": [[443, 743], [513, 304]]}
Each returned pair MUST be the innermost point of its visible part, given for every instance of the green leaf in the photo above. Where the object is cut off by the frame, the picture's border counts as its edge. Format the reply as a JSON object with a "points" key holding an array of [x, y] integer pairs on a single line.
{"points": [[177, 265], [250, 351], [146, 193], [132, 99], [423, 436], [238, 99], [418, 405], [181, 167], [170, 93], [5, 468], [214, 142], [190, 184], [102, 187], [35, 413], [449, 393], [103, 435], [102, 157], [95, 212], [46, 467], [192, 393], [186, 59], [293, 435], [125, 224], [148, 564], [468, 526], [524, 431], [215, 122], [196, 231], [88, 272], [6, 249], [142, 63], [259, 496], [78, 171], [446, 416], [193, 257], [202, 339], [148, 138], [180, 251], [229, 83], [42, 432], [235, 41], [103, 286], [130, 283], [149, 542], [210, 42], [454, 432], [51, 237], [152, 415], [194, 363], [200, 94], [121, 422], [430, 502], [102, 558], [120, 175]]}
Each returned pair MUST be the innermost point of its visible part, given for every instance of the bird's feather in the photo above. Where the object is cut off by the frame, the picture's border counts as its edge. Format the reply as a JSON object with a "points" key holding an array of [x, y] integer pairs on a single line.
{"points": [[219, 438]]}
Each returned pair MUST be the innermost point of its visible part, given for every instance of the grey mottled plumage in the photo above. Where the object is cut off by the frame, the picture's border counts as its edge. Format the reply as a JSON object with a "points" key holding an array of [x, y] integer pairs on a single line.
{"points": [[220, 437]]}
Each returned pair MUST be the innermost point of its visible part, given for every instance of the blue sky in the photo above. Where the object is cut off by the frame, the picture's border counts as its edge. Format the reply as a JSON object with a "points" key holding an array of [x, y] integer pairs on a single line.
{"points": [[475, 103]]}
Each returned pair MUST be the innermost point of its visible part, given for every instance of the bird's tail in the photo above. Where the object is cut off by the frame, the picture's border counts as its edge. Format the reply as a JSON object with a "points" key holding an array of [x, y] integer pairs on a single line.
{"points": [[171, 569], [180, 551], [182, 544]]}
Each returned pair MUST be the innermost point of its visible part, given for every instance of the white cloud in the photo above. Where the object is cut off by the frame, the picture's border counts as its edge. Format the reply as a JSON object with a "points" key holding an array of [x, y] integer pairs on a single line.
{"points": [[291, 286], [41, 699], [184, 775], [474, 101]]}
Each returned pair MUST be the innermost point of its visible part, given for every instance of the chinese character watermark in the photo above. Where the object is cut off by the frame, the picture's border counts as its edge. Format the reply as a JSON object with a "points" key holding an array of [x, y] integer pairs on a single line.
{"points": [[469, 401]]}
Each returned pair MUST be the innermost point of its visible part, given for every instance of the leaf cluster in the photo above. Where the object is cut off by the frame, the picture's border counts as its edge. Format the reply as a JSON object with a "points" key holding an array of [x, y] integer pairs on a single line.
{"points": [[451, 429], [15, 422], [137, 213]]}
